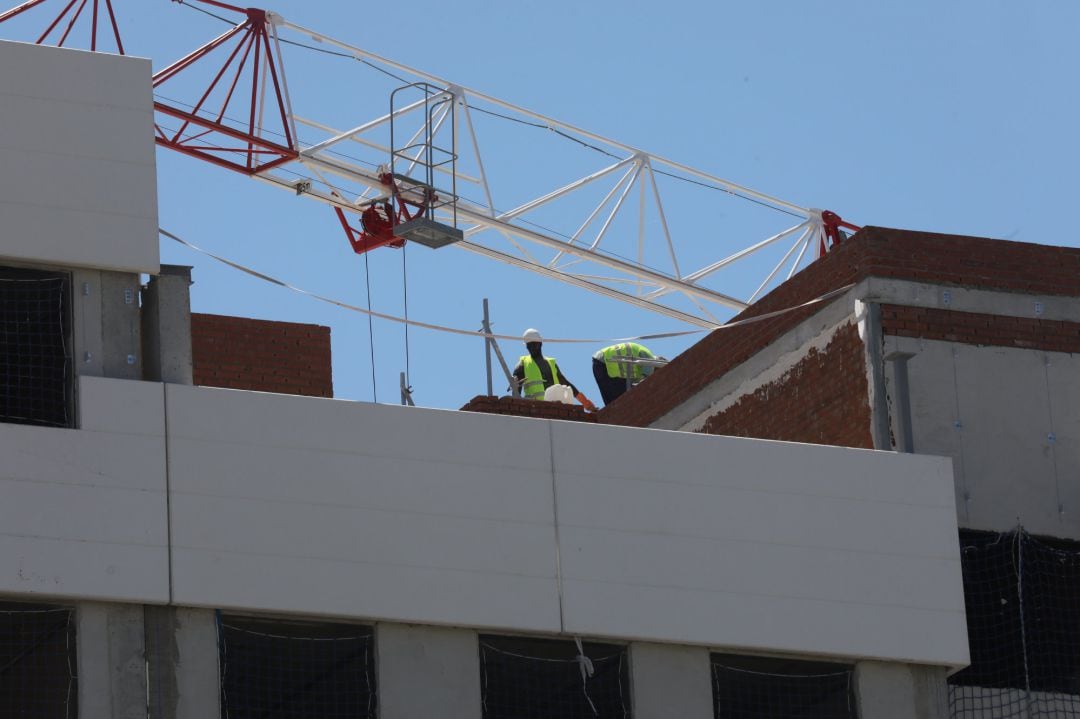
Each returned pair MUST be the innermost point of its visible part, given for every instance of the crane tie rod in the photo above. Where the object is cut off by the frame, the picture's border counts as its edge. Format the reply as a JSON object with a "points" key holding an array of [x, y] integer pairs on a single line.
{"points": [[477, 333]]}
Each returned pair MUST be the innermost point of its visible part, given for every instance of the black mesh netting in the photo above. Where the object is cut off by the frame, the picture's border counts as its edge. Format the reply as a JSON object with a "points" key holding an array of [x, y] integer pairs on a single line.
{"points": [[524, 678], [762, 688], [37, 662], [34, 360], [295, 670], [1023, 614]]}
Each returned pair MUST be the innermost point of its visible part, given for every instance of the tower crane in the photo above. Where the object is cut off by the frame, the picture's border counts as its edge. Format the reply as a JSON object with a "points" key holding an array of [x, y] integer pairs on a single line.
{"points": [[416, 173]]}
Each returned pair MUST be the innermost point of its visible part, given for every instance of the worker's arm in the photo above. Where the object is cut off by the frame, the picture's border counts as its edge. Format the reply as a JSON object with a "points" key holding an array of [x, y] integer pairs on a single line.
{"points": [[519, 375], [561, 379], [585, 401]]}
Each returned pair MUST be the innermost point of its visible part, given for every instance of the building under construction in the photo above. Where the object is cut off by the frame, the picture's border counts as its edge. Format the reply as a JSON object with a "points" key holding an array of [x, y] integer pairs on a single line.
{"points": [[859, 506]]}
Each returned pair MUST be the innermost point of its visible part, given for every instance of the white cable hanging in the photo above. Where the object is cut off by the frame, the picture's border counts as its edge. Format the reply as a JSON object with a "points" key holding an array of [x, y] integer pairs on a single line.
{"points": [[587, 670]]}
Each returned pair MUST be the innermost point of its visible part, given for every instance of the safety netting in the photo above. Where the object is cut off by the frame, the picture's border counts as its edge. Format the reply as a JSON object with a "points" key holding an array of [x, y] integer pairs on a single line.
{"points": [[276, 669], [527, 678], [1023, 614], [37, 662], [35, 362], [768, 688]]}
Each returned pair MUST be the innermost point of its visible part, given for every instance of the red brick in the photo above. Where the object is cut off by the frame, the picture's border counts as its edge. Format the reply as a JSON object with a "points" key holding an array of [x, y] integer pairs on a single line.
{"points": [[518, 407], [982, 329], [872, 252], [261, 355]]}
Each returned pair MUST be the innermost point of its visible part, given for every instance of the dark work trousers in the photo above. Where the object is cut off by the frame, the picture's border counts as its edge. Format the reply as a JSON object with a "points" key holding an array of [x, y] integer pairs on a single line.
{"points": [[611, 388]]}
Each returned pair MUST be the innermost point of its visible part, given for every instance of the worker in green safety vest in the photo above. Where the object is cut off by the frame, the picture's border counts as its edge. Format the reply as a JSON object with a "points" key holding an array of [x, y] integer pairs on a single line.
{"points": [[535, 372], [611, 376]]}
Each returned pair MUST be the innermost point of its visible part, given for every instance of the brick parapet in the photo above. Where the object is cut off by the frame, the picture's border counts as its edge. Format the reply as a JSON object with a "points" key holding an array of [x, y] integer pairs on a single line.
{"points": [[971, 262], [517, 407], [822, 399], [261, 355]]}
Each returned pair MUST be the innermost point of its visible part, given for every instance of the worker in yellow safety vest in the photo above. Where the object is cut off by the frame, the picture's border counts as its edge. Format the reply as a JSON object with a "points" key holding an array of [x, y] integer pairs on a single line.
{"points": [[611, 376], [535, 372]]}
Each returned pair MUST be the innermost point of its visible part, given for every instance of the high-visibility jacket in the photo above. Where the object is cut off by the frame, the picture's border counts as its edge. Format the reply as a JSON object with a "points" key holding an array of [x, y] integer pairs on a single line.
{"points": [[533, 386], [625, 349]]}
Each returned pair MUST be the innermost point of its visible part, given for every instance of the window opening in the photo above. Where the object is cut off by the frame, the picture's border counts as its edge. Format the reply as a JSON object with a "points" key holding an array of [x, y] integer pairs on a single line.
{"points": [[768, 688], [35, 354], [1023, 613], [38, 661], [280, 669], [531, 678]]}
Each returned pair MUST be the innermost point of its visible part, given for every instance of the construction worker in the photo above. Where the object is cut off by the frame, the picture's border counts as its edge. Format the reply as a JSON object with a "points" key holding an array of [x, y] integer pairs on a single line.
{"points": [[611, 376], [535, 372]]}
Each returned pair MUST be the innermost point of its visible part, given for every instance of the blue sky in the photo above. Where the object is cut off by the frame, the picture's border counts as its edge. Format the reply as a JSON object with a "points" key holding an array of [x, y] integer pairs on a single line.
{"points": [[955, 117]]}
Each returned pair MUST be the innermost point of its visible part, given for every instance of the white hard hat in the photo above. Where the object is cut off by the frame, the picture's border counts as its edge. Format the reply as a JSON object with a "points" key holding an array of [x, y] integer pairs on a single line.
{"points": [[532, 335]]}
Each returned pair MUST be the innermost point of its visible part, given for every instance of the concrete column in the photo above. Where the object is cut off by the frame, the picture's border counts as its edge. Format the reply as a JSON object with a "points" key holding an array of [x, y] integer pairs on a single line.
{"points": [[868, 315], [182, 652], [166, 326], [120, 325], [670, 681], [427, 672], [86, 322], [887, 690], [112, 670]]}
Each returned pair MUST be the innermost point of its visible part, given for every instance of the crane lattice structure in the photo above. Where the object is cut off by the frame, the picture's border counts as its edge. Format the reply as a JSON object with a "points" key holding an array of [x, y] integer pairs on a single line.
{"points": [[241, 117]]}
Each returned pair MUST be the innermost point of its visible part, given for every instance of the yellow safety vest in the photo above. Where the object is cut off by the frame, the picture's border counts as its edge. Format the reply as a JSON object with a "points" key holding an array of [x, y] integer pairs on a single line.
{"points": [[625, 349], [533, 386]]}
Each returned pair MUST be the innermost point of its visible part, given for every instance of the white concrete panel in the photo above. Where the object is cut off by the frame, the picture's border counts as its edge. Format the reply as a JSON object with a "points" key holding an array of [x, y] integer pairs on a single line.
{"points": [[75, 76], [354, 535], [78, 183], [41, 126], [1064, 390], [769, 624], [1062, 371], [322, 587], [121, 406], [1066, 456], [83, 512], [810, 549], [1017, 447], [45, 232], [1005, 413], [342, 508], [934, 410]]}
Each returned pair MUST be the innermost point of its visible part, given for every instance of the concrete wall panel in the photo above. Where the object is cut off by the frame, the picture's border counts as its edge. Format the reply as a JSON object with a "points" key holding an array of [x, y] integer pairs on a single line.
{"points": [[321, 507], [790, 561], [351, 509], [76, 141], [82, 512], [1010, 419], [934, 410], [1005, 413]]}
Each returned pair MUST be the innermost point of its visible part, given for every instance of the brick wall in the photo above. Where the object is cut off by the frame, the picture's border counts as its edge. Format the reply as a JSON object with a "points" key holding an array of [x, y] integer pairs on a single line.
{"points": [[980, 329], [973, 262], [527, 408], [824, 399], [261, 355]]}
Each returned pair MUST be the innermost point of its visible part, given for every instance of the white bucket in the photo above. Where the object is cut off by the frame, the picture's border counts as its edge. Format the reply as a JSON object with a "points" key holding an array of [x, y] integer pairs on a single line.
{"points": [[559, 393]]}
